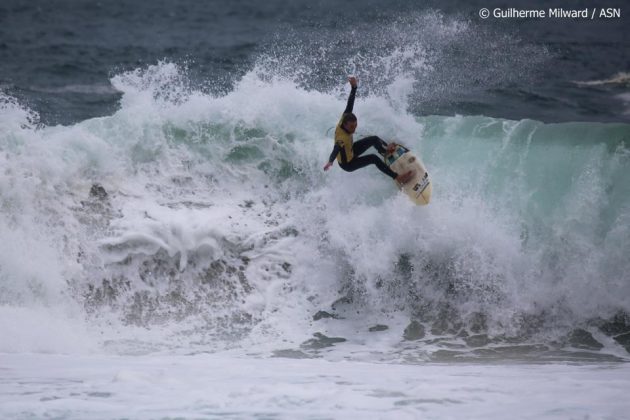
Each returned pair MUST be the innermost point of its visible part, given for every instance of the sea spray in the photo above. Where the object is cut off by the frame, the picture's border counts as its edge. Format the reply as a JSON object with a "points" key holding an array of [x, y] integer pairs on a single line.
{"points": [[200, 221]]}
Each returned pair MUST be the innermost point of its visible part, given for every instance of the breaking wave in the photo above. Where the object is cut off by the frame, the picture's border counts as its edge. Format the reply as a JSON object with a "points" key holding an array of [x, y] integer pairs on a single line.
{"points": [[188, 221]]}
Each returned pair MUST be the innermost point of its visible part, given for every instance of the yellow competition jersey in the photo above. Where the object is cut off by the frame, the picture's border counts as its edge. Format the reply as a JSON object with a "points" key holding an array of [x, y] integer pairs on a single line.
{"points": [[343, 140]]}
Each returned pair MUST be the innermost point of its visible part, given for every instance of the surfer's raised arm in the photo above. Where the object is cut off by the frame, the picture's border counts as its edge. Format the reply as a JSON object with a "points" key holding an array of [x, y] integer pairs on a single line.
{"points": [[353, 91]]}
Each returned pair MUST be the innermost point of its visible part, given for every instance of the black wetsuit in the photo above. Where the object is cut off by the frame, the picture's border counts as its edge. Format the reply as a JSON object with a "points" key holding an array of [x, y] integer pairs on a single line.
{"points": [[357, 161]]}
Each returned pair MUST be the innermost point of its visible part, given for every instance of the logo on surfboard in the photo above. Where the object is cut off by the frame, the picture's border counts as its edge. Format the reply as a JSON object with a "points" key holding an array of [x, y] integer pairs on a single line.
{"points": [[422, 185]]}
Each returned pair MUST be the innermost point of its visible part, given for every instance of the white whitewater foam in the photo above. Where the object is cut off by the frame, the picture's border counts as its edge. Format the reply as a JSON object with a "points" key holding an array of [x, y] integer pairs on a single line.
{"points": [[228, 387]]}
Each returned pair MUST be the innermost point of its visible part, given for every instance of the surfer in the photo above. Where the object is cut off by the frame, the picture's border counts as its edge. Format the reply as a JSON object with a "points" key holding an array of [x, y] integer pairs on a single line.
{"points": [[348, 153]]}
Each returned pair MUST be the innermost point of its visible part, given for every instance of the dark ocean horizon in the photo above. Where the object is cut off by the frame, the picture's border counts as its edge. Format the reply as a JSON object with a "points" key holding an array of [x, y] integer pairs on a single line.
{"points": [[57, 57]]}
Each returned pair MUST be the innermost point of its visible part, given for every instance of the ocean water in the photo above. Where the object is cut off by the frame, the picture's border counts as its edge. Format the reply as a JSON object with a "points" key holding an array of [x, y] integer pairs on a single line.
{"points": [[172, 248]]}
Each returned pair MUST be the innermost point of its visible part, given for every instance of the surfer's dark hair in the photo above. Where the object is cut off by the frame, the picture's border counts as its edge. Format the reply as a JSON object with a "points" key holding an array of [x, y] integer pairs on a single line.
{"points": [[348, 117]]}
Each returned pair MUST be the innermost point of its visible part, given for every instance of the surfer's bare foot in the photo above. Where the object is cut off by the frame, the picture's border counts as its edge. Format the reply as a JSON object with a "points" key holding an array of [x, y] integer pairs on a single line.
{"points": [[391, 147], [402, 179]]}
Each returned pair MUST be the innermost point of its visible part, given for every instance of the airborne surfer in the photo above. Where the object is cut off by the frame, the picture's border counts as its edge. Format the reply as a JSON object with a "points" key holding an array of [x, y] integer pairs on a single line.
{"points": [[348, 153]]}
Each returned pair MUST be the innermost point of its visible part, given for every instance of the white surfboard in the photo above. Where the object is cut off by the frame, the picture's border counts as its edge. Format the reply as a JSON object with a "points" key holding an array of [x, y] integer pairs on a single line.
{"points": [[419, 188]]}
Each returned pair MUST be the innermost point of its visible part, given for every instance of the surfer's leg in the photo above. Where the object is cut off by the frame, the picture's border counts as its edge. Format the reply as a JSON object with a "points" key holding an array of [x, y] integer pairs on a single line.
{"points": [[360, 146], [363, 161]]}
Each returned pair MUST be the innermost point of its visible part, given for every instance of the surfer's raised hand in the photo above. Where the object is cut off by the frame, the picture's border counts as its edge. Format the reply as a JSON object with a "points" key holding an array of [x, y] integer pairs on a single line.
{"points": [[353, 81], [327, 166]]}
